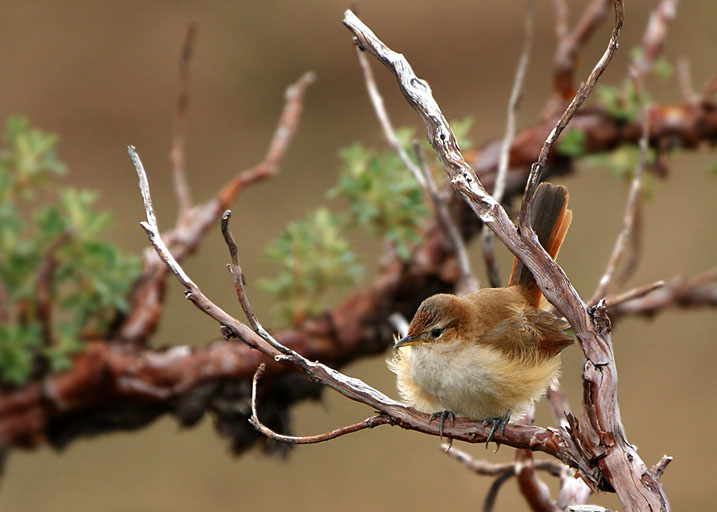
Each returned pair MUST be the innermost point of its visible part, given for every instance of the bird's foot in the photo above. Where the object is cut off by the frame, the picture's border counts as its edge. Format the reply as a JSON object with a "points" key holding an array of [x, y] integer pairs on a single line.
{"points": [[497, 424], [443, 415]]}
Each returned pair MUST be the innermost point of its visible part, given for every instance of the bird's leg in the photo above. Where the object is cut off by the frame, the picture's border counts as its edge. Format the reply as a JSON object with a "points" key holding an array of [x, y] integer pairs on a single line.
{"points": [[498, 424], [442, 415]]}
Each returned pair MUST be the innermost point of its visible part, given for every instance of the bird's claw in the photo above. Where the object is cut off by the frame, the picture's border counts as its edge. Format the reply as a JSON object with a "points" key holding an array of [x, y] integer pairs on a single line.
{"points": [[443, 415], [497, 424]]}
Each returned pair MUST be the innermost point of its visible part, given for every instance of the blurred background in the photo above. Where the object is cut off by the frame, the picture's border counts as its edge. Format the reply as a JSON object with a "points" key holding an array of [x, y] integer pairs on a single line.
{"points": [[104, 74]]}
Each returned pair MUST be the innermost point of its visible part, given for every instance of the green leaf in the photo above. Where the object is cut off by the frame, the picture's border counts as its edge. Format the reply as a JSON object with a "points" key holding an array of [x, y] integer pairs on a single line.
{"points": [[314, 259], [572, 143]]}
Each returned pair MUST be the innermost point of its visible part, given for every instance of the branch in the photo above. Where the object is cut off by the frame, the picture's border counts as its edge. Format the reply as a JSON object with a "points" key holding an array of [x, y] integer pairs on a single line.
{"points": [[566, 53], [617, 459], [148, 295], [422, 175], [608, 282], [176, 155], [467, 282], [582, 94], [382, 115], [500, 181], [371, 422], [534, 438], [654, 37], [681, 292]]}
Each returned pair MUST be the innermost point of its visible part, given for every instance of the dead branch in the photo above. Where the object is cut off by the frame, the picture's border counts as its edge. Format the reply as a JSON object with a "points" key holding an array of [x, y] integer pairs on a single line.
{"points": [[681, 292]]}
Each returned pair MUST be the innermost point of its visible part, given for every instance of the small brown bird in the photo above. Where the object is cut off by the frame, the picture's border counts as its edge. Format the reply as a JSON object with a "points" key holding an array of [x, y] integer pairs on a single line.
{"points": [[492, 352]]}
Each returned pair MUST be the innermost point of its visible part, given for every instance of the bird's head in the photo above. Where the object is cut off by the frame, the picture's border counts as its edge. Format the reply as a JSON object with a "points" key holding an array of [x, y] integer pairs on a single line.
{"points": [[437, 320]]}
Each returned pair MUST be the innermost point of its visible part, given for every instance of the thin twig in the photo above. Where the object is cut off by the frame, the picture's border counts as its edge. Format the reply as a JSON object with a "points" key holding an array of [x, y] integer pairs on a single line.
{"points": [[492, 494], [422, 174], [618, 461], [635, 293], [558, 403], [536, 438], [682, 292], [660, 466], [467, 282], [43, 287], [500, 181], [566, 52], [485, 468], [581, 95], [608, 281], [382, 115], [684, 80], [146, 306], [176, 155], [709, 88], [533, 489], [560, 7], [654, 37], [371, 422]]}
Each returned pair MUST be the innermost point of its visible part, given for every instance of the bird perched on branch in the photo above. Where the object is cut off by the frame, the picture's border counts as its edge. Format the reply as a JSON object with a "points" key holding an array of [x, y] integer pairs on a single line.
{"points": [[491, 353]]}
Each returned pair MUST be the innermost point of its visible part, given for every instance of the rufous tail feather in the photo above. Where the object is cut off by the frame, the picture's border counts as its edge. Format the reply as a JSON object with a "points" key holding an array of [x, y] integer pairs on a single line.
{"points": [[550, 219]]}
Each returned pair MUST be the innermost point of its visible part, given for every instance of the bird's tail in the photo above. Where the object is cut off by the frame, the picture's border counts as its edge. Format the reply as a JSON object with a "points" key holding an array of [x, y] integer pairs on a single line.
{"points": [[550, 219]]}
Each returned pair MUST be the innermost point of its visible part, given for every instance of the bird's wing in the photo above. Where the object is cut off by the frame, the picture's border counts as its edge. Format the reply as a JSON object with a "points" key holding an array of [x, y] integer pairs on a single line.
{"points": [[529, 331]]}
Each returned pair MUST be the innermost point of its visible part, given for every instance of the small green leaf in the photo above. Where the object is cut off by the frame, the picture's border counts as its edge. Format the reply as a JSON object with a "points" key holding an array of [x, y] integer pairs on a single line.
{"points": [[572, 143]]}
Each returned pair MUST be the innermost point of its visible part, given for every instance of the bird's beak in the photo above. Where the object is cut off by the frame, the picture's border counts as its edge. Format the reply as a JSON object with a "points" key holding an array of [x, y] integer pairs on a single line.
{"points": [[407, 341]]}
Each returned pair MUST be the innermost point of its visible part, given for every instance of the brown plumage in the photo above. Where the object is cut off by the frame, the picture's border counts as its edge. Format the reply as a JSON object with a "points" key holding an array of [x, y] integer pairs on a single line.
{"points": [[492, 351]]}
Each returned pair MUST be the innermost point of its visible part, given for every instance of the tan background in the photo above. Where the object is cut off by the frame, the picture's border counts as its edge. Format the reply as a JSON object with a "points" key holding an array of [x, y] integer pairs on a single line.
{"points": [[103, 75]]}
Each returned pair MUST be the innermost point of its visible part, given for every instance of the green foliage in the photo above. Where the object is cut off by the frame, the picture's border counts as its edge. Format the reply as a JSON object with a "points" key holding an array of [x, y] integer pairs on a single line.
{"points": [[661, 67], [572, 143], [622, 163], [713, 169], [382, 196], [91, 277], [621, 102], [314, 259]]}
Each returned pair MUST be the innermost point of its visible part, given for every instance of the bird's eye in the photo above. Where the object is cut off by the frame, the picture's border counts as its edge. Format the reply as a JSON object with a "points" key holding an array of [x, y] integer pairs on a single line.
{"points": [[436, 333]]}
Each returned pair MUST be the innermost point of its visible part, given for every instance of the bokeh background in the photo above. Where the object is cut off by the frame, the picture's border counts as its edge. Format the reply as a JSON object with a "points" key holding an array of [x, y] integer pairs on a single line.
{"points": [[104, 75]]}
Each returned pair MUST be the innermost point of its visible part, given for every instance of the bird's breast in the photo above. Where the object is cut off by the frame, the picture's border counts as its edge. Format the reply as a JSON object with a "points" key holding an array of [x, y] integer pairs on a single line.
{"points": [[476, 381]]}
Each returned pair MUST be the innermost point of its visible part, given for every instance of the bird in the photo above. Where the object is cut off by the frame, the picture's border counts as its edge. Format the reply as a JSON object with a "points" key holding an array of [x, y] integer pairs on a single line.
{"points": [[490, 354]]}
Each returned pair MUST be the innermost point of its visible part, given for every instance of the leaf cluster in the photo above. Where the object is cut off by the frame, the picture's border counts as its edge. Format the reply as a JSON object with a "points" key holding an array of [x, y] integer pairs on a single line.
{"points": [[382, 199], [88, 278]]}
